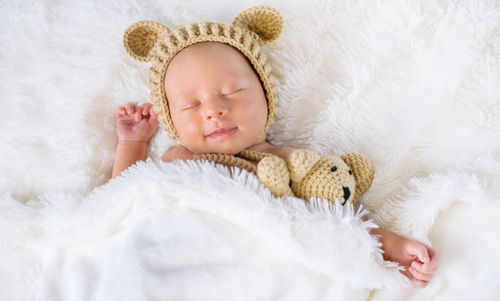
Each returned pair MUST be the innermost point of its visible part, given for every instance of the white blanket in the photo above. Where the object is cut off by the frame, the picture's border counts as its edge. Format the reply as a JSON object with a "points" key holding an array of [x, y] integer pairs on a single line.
{"points": [[414, 85], [188, 231]]}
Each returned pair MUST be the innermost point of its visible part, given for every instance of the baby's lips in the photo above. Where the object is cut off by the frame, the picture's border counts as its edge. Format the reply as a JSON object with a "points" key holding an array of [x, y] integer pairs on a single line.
{"points": [[221, 131], [214, 125], [222, 134]]}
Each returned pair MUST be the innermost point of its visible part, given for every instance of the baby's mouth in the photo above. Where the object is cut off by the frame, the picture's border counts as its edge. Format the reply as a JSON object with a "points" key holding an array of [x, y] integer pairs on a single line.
{"points": [[222, 133]]}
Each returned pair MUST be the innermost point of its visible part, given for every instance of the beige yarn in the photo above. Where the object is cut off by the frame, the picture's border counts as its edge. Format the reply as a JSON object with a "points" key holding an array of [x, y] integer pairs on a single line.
{"points": [[149, 41], [227, 160], [362, 170], [311, 175]]}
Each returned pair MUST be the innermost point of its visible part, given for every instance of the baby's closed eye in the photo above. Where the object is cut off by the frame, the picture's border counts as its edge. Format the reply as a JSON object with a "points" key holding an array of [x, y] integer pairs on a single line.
{"points": [[232, 91], [191, 105], [232, 88]]}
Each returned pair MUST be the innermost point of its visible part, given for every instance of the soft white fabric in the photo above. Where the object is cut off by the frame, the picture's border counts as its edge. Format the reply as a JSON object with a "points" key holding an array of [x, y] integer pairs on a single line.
{"points": [[189, 231], [414, 85]]}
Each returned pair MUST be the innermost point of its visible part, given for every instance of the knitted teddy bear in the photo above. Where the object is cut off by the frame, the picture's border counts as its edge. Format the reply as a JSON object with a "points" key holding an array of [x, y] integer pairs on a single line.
{"points": [[306, 174]]}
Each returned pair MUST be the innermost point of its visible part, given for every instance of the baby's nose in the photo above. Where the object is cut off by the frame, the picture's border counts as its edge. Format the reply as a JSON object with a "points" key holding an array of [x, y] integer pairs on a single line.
{"points": [[214, 115], [214, 108]]}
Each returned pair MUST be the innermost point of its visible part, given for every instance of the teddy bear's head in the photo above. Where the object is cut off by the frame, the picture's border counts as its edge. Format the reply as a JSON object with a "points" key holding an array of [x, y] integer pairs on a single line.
{"points": [[334, 178]]}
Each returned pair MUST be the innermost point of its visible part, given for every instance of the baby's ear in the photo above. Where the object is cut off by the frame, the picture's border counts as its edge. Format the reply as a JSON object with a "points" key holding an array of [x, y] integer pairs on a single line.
{"points": [[265, 21], [140, 37]]}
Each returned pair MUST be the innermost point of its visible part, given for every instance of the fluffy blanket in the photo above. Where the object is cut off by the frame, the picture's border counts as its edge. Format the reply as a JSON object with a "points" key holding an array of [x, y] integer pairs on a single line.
{"points": [[414, 85], [188, 231]]}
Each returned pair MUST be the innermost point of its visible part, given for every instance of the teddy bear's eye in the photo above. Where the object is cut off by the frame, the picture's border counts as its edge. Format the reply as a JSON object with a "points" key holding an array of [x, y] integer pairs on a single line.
{"points": [[334, 169], [350, 172]]}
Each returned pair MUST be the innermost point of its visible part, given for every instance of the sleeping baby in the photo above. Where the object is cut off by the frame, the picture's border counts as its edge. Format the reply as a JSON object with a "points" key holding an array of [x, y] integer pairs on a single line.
{"points": [[213, 92]]}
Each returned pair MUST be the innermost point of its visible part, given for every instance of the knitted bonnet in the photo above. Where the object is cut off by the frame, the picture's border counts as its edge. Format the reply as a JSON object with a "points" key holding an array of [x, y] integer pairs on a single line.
{"points": [[149, 41]]}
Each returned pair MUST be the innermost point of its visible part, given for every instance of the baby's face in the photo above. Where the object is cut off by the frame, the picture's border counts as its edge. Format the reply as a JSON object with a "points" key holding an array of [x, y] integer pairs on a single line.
{"points": [[216, 100]]}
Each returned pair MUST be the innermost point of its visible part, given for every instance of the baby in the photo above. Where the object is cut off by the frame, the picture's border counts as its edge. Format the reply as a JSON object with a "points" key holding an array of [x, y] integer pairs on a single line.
{"points": [[217, 96]]}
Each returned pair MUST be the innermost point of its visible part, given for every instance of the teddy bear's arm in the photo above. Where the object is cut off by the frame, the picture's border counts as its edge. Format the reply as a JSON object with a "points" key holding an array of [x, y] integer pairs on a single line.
{"points": [[273, 173]]}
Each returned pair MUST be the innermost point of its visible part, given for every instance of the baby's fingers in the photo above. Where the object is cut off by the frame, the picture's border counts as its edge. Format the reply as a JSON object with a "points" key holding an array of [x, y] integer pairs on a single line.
{"points": [[138, 114], [120, 112], [427, 268], [146, 108], [153, 119], [151, 111], [130, 108], [434, 258], [421, 283], [419, 275]]}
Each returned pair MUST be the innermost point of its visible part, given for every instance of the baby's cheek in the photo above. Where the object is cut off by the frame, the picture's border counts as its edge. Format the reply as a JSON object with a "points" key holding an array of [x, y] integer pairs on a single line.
{"points": [[189, 131], [190, 127], [256, 116]]}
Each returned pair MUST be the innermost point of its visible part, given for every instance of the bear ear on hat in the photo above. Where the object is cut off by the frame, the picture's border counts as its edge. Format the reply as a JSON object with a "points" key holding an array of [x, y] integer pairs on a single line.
{"points": [[265, 21], [140, 37]]}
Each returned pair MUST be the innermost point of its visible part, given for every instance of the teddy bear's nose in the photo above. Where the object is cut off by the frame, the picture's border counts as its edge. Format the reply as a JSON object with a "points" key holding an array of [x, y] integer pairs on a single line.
{"points": [[347, 193]]}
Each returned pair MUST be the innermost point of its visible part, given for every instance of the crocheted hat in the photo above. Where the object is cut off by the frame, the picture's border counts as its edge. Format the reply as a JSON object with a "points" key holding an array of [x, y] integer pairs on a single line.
{"points": [[149, 41]]}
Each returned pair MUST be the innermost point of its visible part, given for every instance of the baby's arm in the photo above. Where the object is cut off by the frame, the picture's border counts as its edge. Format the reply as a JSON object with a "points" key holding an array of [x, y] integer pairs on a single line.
{"points": [[127, 154], [134, 126]]}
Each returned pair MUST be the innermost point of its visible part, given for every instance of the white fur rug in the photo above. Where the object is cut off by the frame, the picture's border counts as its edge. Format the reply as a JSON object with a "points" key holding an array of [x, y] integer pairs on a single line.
{"points": [[414, 85]]}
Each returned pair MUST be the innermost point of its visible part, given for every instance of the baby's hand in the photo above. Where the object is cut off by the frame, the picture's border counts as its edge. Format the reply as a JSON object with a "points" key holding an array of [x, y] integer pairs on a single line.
{"points": [[420, 261], [136, 123]]}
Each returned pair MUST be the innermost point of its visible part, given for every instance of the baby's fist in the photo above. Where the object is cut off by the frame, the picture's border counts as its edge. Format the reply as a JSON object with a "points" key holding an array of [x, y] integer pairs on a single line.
{"points": [[136, 123], [424, 263]]}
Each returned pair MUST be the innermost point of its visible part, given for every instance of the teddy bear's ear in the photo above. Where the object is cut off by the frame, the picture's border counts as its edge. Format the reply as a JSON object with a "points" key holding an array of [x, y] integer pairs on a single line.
{"points": [[362, 170], [140, 37], [265, 21], [300, 163]]}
